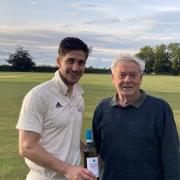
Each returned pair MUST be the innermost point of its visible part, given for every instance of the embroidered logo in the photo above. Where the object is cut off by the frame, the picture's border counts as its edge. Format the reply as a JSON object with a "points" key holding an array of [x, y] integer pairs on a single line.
{"points": [[58, 105]]}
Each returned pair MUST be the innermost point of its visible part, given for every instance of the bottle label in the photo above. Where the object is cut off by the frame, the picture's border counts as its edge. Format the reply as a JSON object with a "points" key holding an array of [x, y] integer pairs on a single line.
{"points": [[92, 165]]}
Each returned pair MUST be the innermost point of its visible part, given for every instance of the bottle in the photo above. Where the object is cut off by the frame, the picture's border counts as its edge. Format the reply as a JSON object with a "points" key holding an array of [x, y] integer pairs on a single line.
{"points": [[90, 155]]}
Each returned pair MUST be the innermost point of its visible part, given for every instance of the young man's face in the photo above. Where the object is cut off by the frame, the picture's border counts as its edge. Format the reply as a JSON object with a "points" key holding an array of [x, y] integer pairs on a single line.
{"points": [[71, 66], [127, 78]]}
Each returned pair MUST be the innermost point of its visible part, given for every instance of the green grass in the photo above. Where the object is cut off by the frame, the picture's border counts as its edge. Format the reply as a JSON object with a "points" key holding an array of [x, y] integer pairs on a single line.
{"points": [[13, 87]]}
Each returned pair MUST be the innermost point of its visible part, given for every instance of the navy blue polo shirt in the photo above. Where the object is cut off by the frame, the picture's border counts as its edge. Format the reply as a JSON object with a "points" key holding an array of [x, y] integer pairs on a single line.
{"points": [[137, 142]]}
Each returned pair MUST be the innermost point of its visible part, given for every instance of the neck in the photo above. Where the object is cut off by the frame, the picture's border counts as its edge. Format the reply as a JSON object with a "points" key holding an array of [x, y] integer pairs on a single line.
{"points": [[127, 100], [69, 91], [69, 86]]}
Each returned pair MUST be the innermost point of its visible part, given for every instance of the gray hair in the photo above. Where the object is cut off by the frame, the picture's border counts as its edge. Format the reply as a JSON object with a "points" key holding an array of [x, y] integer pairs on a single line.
{"points": [[126, 58]]}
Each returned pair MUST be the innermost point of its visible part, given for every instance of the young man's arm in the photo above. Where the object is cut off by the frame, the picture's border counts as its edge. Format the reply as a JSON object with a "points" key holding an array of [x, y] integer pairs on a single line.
{"points": [[30, 148]]}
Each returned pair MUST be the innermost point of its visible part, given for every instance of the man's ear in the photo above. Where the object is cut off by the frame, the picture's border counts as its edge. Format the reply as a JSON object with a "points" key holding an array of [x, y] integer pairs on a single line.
{"points": [[112, 77], [141, 77], [58, 61]]}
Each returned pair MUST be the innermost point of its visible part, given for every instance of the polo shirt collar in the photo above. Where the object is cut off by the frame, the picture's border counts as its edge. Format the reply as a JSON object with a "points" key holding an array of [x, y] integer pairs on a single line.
{"points": [[77, 89], [136, 103]]}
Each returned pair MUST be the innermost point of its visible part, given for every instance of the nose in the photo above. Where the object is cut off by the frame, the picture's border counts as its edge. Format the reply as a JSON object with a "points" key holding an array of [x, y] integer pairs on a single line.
{"points": [[75, 67], [127, 78]]}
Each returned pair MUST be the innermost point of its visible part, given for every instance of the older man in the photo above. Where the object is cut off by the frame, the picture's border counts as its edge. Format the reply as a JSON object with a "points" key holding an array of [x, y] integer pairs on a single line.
{"points": [[135, 133]]}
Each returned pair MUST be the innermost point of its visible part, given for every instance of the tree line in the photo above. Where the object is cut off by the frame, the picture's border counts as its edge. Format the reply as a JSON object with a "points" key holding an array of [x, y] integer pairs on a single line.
{"points": [[22, 61], [159, 59], [162, 58]]}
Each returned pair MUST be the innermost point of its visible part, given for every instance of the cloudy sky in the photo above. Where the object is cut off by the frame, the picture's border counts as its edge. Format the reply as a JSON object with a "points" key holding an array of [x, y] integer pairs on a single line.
{"points": [[109, 26]]}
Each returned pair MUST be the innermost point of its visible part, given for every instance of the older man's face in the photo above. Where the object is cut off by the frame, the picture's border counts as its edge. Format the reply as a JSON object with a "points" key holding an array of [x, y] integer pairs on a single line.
{"points": [[127, 78]]}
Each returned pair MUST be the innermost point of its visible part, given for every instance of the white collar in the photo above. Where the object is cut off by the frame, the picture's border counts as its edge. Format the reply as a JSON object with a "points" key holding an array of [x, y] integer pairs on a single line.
{"points": [[77, 89]]}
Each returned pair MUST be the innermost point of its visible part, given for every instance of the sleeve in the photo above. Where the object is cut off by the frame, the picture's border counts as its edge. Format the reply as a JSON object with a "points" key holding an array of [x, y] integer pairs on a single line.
{"points": [[32, 113], [97, 130], [170, 153]]}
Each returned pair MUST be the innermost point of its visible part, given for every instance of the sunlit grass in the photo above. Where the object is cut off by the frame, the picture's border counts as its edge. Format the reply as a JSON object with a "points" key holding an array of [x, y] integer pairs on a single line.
{"points": [[13, 87]]}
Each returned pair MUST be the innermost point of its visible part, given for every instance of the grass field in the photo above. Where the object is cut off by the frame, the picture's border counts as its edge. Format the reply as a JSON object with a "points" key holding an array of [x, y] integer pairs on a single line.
{"points": [[13, 87]]}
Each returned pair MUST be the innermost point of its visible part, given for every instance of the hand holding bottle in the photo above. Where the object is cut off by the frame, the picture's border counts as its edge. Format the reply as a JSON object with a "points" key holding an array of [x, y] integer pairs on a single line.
{"points": [[78, 173]]}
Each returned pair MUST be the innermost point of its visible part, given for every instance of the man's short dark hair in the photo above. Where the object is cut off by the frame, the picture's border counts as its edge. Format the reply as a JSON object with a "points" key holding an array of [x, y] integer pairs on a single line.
{"points": [[72, 43]]}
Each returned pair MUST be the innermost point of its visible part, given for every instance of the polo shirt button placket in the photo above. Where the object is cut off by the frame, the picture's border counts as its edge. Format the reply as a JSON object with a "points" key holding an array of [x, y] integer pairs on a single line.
{"points": [[71, 109]]}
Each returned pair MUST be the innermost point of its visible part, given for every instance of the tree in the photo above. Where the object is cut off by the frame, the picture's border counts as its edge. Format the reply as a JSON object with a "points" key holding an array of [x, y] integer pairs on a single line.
{"points": [[21, 60], [161, 59], [174, 51], [146, 53]]}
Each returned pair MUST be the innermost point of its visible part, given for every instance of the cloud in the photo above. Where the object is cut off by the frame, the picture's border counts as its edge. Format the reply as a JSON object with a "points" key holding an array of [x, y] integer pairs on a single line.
{"points": [[98, 7], [81, 5], [75, 14], [100, 62], [104, 21], [33, 2], [108, 36], [165, 8], [43, 44]]}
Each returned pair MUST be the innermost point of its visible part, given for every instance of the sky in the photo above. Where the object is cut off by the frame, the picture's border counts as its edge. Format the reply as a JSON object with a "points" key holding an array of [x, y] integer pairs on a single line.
{"points": [[110, 27]]}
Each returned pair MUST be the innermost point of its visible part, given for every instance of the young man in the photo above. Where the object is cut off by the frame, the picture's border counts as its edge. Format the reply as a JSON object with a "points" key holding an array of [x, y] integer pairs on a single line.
{"points": [[135, 134], [51, 117]]}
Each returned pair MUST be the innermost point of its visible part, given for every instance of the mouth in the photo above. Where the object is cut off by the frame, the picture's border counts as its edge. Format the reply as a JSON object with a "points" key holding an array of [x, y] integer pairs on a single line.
{"points": [[75, 75], [127, 88]]}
